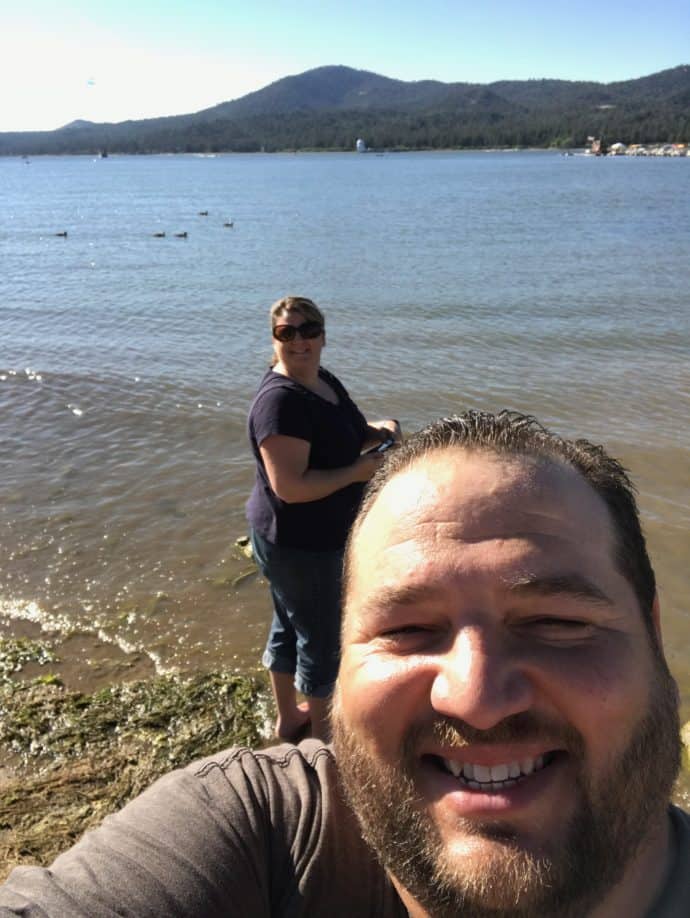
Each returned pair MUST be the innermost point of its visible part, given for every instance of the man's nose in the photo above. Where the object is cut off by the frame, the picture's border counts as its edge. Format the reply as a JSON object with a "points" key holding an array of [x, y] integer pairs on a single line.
{"points": [[480, 680]]}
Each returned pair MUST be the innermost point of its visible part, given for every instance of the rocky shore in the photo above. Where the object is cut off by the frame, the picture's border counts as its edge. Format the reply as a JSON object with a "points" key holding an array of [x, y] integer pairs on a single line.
{"points": [[70, 758]]}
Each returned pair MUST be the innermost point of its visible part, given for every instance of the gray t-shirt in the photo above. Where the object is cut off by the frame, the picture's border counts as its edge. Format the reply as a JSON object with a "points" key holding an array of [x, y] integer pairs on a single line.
{"points": [[242, 833]]}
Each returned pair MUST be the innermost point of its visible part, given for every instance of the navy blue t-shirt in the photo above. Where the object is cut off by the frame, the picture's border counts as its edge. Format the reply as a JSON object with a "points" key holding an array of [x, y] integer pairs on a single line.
{"points": [[336, 434]]}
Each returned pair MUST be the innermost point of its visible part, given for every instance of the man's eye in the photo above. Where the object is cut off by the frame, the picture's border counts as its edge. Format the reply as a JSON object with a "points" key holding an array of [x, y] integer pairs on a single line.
{"points": [[565, 627], [403, 631], [408, 636]]}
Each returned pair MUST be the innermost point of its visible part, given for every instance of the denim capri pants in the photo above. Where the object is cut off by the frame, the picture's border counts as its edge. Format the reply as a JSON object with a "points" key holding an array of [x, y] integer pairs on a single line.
{"points": [[305, 632]]}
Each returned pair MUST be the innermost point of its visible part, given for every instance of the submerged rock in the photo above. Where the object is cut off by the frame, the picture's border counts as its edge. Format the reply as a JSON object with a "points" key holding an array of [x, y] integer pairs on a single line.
{"points": [[244, 546], [228, 575]]}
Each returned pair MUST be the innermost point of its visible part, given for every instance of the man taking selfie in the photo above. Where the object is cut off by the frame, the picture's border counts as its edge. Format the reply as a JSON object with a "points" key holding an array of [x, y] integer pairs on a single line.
{"points": [[506, 733]]}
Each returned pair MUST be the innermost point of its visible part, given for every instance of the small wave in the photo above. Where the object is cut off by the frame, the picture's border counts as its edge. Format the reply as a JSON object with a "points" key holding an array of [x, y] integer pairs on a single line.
{"points": [[162, 669], [30, 611], [129, 647]]}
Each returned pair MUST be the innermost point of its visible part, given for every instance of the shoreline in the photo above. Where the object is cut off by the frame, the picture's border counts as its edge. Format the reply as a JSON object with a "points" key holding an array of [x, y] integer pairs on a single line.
{"points": [[372, 151], [299, 152], [302, 151]]}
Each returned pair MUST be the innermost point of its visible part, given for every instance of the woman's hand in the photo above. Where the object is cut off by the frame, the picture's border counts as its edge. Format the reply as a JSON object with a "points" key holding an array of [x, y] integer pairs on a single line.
{"points": [[393, 425], [390, 427], [366, 465]]}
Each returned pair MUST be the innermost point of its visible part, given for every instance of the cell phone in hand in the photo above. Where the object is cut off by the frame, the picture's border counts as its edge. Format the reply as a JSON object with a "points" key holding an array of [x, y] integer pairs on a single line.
{"points": [[381, 447]]}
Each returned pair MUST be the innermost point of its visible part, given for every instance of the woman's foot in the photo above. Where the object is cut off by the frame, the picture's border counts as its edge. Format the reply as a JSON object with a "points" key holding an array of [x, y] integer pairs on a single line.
{"points": [[296, 726]]}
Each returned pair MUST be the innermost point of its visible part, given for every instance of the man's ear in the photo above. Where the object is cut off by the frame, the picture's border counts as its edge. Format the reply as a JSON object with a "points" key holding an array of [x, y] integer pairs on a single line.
{"points": [[656, 621]]}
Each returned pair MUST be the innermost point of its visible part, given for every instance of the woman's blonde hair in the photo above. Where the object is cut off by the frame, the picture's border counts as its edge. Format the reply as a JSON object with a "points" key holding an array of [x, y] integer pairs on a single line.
{"points": [[299, 304]]}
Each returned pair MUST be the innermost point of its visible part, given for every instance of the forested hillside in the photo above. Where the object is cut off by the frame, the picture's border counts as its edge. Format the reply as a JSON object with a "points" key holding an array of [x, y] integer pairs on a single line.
{"points": [[329, 107]]}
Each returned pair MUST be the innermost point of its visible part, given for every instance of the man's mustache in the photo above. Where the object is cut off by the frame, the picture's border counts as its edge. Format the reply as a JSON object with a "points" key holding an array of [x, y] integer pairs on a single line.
{"points": [[523, 727]]}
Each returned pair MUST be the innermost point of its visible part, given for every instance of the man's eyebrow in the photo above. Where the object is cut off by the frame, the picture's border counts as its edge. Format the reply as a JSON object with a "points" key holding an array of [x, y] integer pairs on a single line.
{"points": [[574, 585], [402, 595]]}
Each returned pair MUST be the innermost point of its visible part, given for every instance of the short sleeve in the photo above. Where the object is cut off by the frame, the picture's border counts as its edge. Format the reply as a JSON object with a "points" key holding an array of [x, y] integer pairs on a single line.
{"points": [[280, 410]]}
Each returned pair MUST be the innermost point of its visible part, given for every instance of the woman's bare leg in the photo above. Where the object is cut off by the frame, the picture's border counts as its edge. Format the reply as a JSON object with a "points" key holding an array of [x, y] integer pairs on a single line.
{"points": [[320, 711], [292, 717]]}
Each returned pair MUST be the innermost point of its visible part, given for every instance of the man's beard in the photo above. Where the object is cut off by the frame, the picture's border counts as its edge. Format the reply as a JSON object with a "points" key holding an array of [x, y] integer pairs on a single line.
{"points": [[612, 817]]}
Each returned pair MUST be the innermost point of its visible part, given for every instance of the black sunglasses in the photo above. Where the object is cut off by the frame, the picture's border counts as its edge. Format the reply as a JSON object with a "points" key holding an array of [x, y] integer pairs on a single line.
{"points": [[286, 333]]}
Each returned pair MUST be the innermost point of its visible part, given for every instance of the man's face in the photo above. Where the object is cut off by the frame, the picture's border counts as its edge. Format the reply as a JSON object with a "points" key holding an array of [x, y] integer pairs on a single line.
{"points": [[505, 732]]}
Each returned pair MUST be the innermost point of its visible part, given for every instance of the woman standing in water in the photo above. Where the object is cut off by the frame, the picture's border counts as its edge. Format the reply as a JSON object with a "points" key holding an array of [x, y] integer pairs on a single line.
{"points": [[307, 436]]}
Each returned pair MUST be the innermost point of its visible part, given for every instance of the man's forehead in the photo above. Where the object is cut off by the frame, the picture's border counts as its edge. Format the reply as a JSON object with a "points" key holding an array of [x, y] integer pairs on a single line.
{"points": [[482, 495]]}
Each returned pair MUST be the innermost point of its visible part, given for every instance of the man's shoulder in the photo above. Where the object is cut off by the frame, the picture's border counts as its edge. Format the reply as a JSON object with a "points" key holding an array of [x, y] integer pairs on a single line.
{"points": [[309, 766], [270, 787], [674, 901], [266, 829], [680, 820], [310, 753], [679, 814]]}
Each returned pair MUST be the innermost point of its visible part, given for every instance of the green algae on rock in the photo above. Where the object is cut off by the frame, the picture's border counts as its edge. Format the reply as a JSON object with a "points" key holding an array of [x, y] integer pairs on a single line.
{"points": [[42, 724], [81, 756], [15, 653]]}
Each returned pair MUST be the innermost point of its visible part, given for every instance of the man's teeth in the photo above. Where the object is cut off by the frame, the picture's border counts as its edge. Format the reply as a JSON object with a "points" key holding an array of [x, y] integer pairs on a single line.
{"points": [[494, 777]]}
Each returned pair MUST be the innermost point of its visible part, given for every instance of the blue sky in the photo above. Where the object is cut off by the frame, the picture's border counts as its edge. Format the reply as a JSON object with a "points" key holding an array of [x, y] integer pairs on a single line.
{"points": [[108, 60]]}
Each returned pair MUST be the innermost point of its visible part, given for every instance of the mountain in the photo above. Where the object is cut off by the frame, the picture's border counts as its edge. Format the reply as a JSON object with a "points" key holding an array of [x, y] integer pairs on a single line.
{"points": [[79, 123], [331, 89], [329, 107]]}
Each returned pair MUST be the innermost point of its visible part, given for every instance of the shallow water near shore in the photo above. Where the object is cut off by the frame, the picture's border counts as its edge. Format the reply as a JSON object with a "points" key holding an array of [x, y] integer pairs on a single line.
{"points": [[553, 285]]}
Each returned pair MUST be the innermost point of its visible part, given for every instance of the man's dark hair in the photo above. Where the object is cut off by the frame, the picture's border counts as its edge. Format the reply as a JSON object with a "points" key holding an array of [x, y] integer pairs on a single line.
{"points": [[511, 434]]}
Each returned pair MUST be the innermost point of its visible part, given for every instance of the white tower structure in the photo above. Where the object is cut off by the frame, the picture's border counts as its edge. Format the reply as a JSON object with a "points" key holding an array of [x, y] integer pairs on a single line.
{"points": [[361, 146]]}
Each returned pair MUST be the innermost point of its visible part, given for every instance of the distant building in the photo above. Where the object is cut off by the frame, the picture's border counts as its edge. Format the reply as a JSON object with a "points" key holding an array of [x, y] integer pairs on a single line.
{"points": [[360, 146], [617, 149]]}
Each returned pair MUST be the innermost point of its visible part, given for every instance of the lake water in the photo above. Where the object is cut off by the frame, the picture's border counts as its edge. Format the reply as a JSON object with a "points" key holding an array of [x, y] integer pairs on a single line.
{"points": [[555, 285]]}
